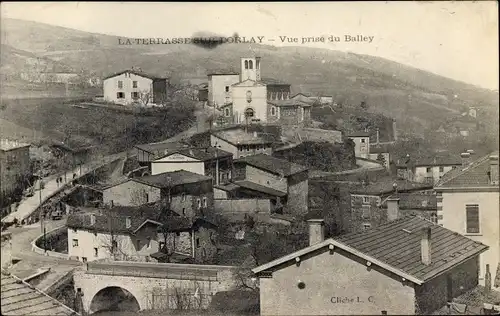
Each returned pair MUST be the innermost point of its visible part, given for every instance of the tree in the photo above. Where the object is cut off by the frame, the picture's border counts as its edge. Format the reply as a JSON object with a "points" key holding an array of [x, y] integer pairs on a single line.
{"points": [[113, 242], [381, 159]]}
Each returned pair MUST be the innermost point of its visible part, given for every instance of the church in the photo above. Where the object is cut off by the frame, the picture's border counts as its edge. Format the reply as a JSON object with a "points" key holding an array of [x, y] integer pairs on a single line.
{"points": [[249, 99]]}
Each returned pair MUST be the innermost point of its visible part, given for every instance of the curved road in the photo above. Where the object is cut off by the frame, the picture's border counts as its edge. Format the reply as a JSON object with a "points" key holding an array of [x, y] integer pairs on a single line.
{"points": [[22, 237]]}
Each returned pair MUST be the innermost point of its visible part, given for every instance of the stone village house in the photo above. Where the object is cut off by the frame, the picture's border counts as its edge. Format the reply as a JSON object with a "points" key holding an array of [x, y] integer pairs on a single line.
{"points": [[405, 267], [149, 232], [188, 194], [468, 203]]}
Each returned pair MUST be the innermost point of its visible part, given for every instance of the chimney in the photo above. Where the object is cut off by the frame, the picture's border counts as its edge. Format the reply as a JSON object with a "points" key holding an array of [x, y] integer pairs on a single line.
{"points": [[494, 169], [316, 231], [392, 208], [465, 159], [425, 246], [487, 278]]}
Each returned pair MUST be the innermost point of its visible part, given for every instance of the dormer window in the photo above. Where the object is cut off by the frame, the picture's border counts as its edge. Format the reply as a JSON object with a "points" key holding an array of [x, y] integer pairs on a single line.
{"points": [[246, 64], [250, 64]]}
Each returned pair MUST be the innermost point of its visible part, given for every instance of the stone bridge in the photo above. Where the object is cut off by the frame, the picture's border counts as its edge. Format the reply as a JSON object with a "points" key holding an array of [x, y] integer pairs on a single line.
{"points": [[151, 285]]}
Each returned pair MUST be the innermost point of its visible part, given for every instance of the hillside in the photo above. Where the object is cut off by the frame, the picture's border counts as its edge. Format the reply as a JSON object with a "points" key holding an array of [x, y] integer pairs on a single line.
{"points": [[416, 98]]}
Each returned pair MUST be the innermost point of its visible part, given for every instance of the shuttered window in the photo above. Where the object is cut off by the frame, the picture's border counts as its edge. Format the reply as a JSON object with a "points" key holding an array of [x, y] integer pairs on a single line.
{"points": [[472, 213]]}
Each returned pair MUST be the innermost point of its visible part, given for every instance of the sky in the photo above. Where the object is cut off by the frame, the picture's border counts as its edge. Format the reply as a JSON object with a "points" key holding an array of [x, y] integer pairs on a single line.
{"points": [[458, 40]]}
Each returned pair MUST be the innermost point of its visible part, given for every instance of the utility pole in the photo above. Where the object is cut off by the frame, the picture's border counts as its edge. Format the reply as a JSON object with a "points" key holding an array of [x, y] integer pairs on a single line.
{"points": [[216, 146]]}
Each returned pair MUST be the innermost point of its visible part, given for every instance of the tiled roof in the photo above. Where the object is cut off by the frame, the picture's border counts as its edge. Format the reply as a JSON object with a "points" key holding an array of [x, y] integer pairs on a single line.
{"points": [[438, 159], [227, 187], [359, 134], [396, 247], [135, 72], [259, 188], [288, 102], [272, 164], [307, 95], [475, 175], [6, 144], [271, 81], [240, 137], [391, 244], [20, 298], [249, 83], [160, 148], [114, 219], [170, 179], [222, 73], [202, 154], [415, 201], [385, 185]]}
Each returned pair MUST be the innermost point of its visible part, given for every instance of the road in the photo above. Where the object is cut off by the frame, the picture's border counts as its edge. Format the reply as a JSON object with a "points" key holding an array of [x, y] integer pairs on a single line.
{"points": [[30, 261], [23, 236], [30, 204]]}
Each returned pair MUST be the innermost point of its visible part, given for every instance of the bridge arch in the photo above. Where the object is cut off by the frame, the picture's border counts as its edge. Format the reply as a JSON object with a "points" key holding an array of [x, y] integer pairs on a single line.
{"points": [[115, 298]]}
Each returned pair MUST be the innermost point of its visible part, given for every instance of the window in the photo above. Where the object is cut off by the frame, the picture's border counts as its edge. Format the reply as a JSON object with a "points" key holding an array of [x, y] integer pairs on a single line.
{"points": [[96, 252], [197, 242], [226, 112], [114, 245], [161, 244], [198, 201], [75, 242], [84, 259], [183, 197], [120, 95], [429, 179], [135, 95], [138, 242], [366, 226], [429, 169], [246, 64], [441, 169], [250, 64], [149, 242], [204, 202], [434, 218], [472, 215], [74, 230], [366, 199], [120, 84], [363, 140], [177, 234], [134, 84], [227, 88], [95, 233], [273, 111], [367, 212], [257, 64]]}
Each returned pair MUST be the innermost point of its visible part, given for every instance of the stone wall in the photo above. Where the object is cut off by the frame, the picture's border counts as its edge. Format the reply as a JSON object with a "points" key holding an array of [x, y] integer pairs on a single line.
{"points": [[247, 206]]}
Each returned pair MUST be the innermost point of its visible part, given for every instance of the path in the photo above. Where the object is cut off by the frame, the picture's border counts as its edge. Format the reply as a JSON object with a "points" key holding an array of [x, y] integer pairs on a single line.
{"points": [[30, 204]]}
